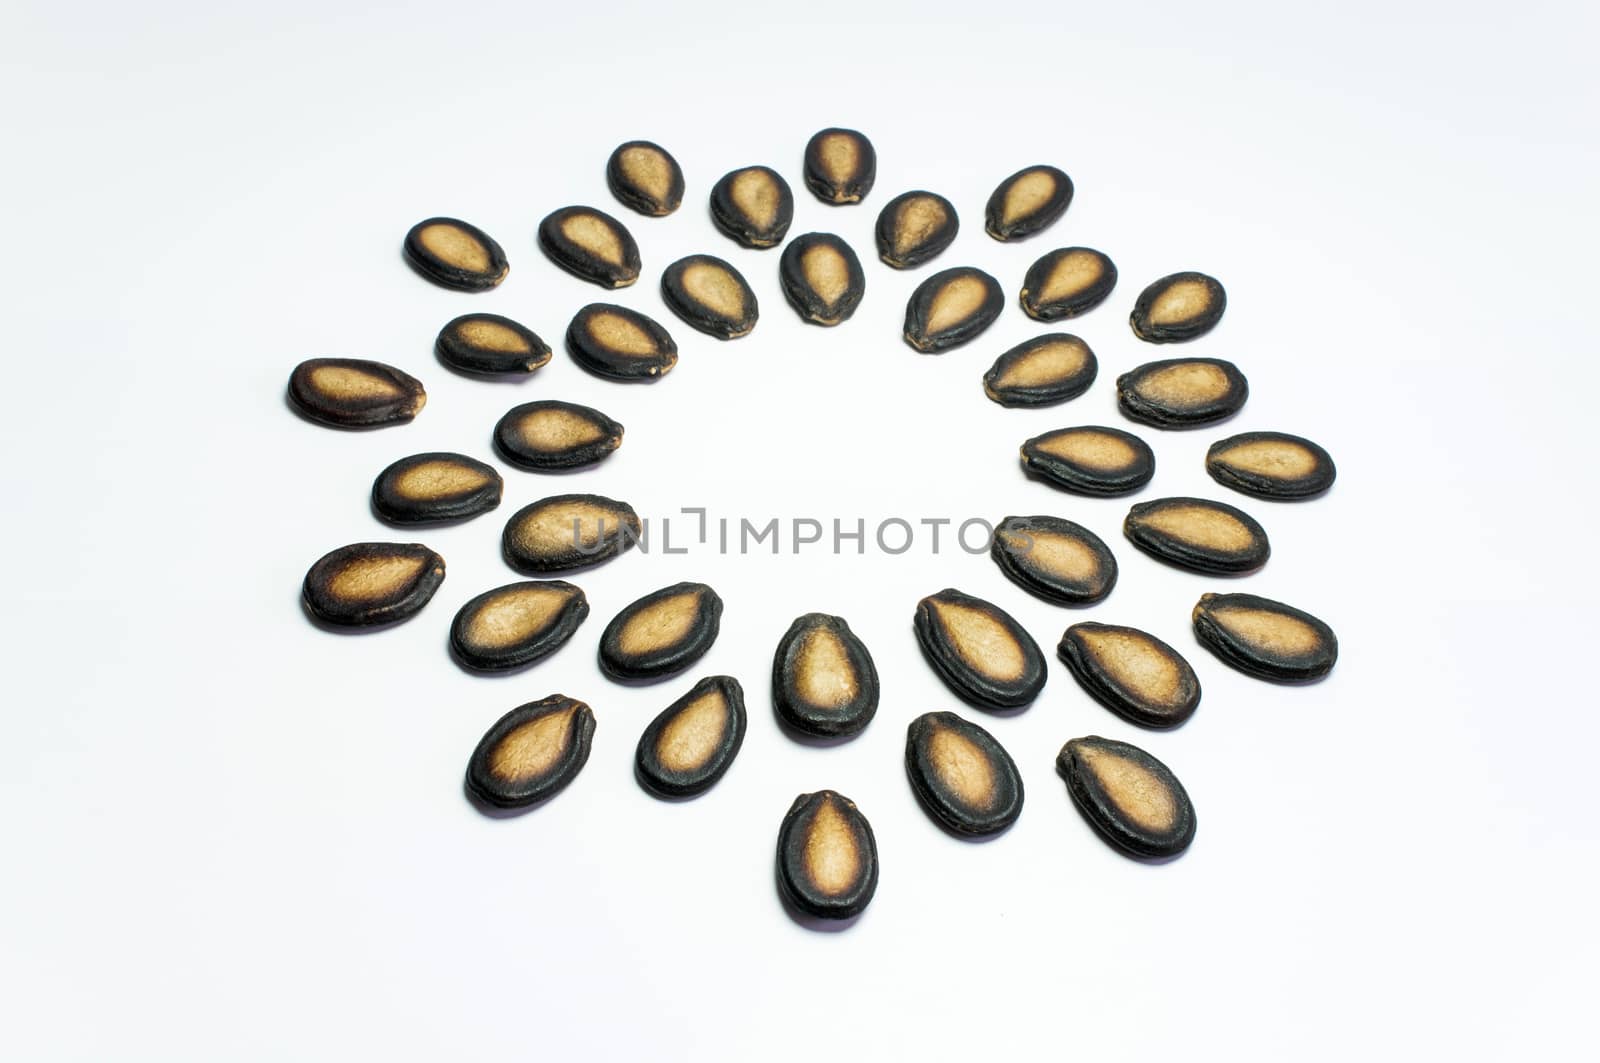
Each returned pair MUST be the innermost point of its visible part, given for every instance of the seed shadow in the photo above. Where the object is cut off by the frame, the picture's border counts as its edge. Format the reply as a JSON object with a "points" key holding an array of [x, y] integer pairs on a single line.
{"points": [[815, 923]]}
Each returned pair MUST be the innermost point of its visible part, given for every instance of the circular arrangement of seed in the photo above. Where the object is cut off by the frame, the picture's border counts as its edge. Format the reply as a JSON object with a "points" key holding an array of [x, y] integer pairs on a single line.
{"points": [[824, 679]]}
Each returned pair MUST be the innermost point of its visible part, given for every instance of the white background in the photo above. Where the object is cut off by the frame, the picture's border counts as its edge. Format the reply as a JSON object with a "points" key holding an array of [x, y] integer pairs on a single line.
{"points": [[230, 835]]}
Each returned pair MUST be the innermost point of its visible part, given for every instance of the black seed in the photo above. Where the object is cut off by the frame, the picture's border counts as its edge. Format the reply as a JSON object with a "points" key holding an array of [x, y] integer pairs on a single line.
{"points": [[827, 856], [1067, 282], [1026, 202], [753, 206], [1132, 673], [372, 583], [1131, 798], [980, 652], [620, 344], [963, 777], [549, 435], [1054, 559], [687, 748], [645, 177], [1043, 371], [1264, 638], [1273, 465], [355, 393], [824, 681], [1182, 392], [565, 532], [591, 245], [434, 487], [840, 166], [952, 307], [453, 254], [532, 752], [710, 295], [518, 624], [1090, 460], [1198, 534], [914, 227], [822, 278], [489, 343], [1178, 307], [662, 633]]}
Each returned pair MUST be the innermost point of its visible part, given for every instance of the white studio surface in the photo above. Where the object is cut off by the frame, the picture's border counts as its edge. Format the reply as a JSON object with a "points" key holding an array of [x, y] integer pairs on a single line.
{"points": [[231, 835]]}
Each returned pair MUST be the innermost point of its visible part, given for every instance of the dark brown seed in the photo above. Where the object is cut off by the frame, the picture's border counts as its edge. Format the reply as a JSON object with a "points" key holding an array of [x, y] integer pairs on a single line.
{"points": [[1264, 638], [1043, 371], [824, 681], [662, 633], [1054, 559], [518, 624], [710, 295], [355, 393], [1182, 392], [1273, 465], [645, 177], [1178, 307], [840, 166], [364, 584], [620, 344], [980, 652], [549, 435], [565, 532], [1132, 673], [753, 206], [489, 343], [1027, 202], [827, 856], [453, 254], [914, 227], [1198, 534], [531, 753], [433, 487], [1131, 798], [963, 777], [952, 307], [822, 278], [691, 745], [591, 245], [1090, 460], [1067, 282]]}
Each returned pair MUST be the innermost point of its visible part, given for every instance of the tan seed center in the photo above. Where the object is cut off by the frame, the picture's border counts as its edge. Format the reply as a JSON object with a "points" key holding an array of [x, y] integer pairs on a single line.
{"points": [[1185, 384], [1269, 631], [1075, 272], [1137, 793], [440, 479], [692, 736], [956, 302], [533, 748], [620, 335], [1045, 364], [981, 641], [595, 236], [516, 615], [755, 193], [352, 385], [1094, 450], [1270, 457], [824, 675], [493, 336], [1201, 526], [455, 247], [1027, 194], [833, 861], [374, 578], [714, 288], [660, 625], [1180, 302], [963, 768]]}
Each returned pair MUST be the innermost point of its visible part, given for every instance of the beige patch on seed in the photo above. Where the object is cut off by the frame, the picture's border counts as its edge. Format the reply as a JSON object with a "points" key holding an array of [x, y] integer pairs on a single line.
{"points": [[1059, 555], [553, 430], [827, 272], [1094, 450], [1179, 302], [916, 220], [561, 526], [1075, 272], [824, 674], [648, 170], [440, 479], [956, 302], [1134, 662], [1026, 195], [1269, 457], [353, 385], [493, 336], [455, 247], [594, 235], [1204, 526], [621, 335], [1273, 632], [840, 156], [1184, 384], [981, 641], [1136, 792], [533, 748], [963, 768], [714, 288], [1045, 364], [660, 625], [756, 195], [516, 615], [373, 578], [832, 858], [693, 735]]}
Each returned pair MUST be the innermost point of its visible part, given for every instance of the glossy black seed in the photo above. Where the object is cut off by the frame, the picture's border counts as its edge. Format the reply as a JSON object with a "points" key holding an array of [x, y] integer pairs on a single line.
{"points": [[1264, 638], [963, 777], [645, 177], [840, 166], [566, 532], [824, 681], [980, 652], [592, 245], [433, 487], [453, 254], [1129, 797], [1042, 371], [620, 344], [827, 856], [490, 344], [1198, 534], [1027, 202], [1182, 392], [531, 753], [1090, 460], [662, 633], [753, 206], [1067, 282], [355, 393], [1132, 673], [914, 227], [1054, 559], [710, 295], [691, 745], [1272, 465], [822, 278], [372, 583], [952, 307], [549, 435], [1178, 307], [517, 624]]}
